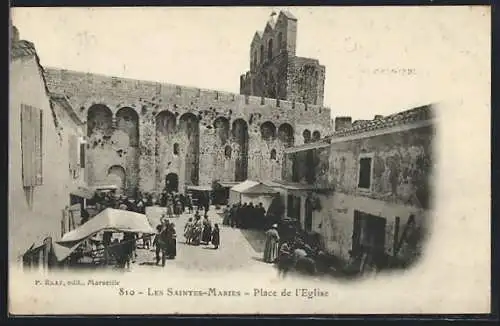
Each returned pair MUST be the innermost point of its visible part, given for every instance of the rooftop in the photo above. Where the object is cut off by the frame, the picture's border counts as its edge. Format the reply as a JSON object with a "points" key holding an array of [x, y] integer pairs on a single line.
{"points": [[420, 113], [22, 49]]}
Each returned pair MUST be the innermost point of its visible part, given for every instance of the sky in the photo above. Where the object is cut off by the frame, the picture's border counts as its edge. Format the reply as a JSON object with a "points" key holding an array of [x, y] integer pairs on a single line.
{"points": [[378, 60]]}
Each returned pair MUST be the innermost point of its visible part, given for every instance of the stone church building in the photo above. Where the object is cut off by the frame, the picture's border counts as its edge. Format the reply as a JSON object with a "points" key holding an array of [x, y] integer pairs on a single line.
{"points": [[142, 135]]}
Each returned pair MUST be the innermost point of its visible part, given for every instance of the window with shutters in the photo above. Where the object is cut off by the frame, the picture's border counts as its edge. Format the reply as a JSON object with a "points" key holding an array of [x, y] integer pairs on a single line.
{"points": [[365, 171], [32, 145]]}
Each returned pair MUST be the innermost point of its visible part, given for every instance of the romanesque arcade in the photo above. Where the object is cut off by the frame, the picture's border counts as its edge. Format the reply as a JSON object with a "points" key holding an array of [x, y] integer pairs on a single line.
{"points": [[185, 151]]}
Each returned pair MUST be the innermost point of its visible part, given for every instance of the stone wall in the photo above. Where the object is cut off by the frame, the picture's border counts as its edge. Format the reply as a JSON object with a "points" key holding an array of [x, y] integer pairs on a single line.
{"points": [[227, 130], [401, 177], [306, 80], [402, 164]]}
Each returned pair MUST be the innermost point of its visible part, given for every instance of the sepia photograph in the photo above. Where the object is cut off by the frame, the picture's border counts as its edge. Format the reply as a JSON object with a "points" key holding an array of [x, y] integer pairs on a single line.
{"points": [[208, 160]]}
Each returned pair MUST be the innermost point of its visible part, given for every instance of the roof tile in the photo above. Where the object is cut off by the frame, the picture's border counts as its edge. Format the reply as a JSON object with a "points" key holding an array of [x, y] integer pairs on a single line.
{"points": [[416, 114]]}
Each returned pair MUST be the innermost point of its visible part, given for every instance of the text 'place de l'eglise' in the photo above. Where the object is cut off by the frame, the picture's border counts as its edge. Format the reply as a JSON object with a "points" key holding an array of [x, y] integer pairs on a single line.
{"points": [[356, 193]]}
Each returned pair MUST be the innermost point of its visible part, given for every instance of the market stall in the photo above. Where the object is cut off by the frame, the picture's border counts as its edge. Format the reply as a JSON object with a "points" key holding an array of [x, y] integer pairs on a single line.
{"points": [[252, 192], [109, 220]]}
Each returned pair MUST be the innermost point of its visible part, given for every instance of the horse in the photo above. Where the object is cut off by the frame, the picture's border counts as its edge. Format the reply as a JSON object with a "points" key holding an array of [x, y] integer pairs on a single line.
{"points": [[298, 262]]}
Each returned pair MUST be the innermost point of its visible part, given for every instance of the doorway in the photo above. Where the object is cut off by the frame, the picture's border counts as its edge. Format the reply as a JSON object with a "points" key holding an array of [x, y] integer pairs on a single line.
{"points": [[117, 177], [308, 220], [172, 182], [368, 232]]}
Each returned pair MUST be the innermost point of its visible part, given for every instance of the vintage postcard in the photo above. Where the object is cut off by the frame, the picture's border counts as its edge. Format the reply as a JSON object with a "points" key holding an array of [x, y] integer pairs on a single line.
{"points": [[250, 160]]}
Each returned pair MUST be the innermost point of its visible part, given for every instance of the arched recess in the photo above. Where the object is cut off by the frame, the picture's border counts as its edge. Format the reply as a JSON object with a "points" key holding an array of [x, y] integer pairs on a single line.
{"points": [[240, 136], [190, 127], [285, 134], [307, 136], [273, 154], [99, 119], [172, 182], [270, 50], [316, 135], [118, 177], [221, 126], [268, 131], [261, 54], [165, 123], [127, 120], [227, 151]]}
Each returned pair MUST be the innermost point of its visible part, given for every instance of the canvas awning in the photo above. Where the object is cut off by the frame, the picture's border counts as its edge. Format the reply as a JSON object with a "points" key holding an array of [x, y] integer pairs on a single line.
{"points": [[83, 192], [199, 188], [299, 186], [253, 187], [108, 220], [228, 184], [37, 244], [104, 187]]}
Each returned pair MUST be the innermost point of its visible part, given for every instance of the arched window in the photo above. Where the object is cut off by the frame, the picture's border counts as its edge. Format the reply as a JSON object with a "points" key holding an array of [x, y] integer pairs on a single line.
{"points": [[261, 53], [268, 130], [255, 59], [307, 136], [176, 149], [280, 40], [227, 151], [316, 135], [270, 50], [273, 154]]}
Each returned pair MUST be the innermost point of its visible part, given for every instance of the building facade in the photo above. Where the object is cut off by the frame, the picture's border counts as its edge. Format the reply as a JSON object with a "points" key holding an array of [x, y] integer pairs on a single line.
{"points": [[276, 71], [145, 136], [43, 171], [367, 185]]}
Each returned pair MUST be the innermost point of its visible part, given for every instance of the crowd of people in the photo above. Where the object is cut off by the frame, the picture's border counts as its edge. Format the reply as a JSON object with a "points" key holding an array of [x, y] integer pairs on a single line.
{"points": [[165, 241], [200, 231], [288, 248], [292, 251], [247, 216], [124, 251], [175, 203]]}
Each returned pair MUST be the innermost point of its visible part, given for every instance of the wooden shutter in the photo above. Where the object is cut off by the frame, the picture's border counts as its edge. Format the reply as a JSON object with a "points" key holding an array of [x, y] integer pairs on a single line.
{"points": [[27, 147], [73, 153], [31, 145], [82, 155], [37, 128]]}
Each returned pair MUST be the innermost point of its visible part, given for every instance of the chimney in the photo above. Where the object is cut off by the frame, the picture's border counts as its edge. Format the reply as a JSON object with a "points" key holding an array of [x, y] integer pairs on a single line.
{"points": [[14, 34], [343, 123]]}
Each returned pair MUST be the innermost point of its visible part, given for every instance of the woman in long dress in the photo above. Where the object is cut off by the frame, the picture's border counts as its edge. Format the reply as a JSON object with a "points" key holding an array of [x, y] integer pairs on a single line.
{"points": [[188, 230], [198, 227], [272, 244], [171, 241], [216, 236], [207, 231]]}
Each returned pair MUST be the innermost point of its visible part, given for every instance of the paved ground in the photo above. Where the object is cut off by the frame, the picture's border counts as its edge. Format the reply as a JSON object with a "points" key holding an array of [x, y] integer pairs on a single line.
{"points": [[236, 251]]}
